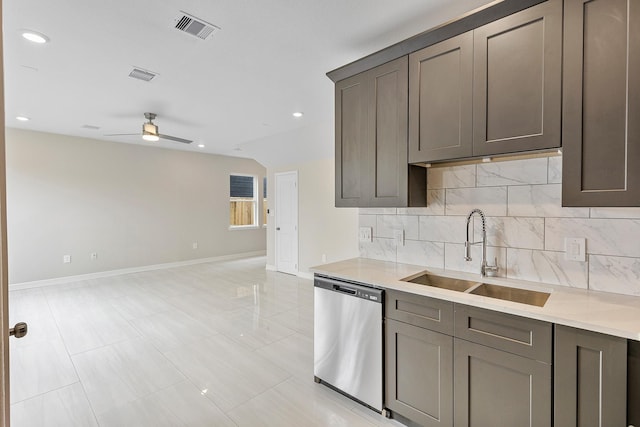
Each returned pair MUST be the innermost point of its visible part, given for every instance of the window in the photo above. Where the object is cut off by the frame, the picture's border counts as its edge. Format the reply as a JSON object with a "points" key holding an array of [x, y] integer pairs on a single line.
{"points": [[264, 201], [243, 191]]}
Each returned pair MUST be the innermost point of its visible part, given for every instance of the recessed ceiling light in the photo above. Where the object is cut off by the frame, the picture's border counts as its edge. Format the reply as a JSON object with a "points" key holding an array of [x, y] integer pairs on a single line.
{"points": [[34, 36], [200, 145], [23, 118], [298, 114]]}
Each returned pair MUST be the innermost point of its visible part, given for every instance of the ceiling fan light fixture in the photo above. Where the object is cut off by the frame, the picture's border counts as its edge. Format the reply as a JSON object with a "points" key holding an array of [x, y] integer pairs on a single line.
{"points": [[150, 132], [150, 137]]}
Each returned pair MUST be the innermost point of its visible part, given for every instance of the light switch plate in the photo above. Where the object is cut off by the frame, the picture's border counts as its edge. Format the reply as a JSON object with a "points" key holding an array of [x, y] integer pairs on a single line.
{"points": [[398, 235], [364, 234], [575, 249]]}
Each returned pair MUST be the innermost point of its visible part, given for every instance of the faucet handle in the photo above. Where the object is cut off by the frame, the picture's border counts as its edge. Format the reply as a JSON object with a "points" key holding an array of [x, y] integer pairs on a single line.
{"points": [[492, 270]]}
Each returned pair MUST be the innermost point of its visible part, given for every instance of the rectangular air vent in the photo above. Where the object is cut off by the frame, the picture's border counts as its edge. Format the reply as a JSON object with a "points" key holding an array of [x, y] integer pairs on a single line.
{"points": [[194, 26], [140, 74]]}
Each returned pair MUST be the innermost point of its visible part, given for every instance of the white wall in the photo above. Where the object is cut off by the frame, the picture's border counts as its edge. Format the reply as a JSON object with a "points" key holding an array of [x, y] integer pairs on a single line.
{"points": [[526, 227], [323, 228], [132, 205]]}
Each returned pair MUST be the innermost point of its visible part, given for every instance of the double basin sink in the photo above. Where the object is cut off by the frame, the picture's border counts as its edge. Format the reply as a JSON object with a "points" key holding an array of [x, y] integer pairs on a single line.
{"points": [[523, 296]]}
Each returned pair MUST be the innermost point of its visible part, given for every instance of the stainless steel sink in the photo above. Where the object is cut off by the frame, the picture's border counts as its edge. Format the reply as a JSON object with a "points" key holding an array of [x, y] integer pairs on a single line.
{"points": [[441, 282], [523, 296]]}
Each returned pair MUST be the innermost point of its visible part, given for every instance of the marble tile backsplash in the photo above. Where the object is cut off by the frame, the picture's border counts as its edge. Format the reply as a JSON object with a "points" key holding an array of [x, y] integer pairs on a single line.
{"points": [[526, 227]]}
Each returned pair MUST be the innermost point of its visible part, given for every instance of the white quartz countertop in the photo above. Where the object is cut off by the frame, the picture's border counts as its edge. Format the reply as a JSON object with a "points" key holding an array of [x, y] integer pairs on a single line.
{"points": [[607, 313]]}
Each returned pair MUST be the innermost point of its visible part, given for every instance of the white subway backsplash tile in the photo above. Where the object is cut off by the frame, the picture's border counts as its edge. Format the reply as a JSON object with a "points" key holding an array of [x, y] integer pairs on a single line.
{"points": [[620, 275], [443, 229], [380, 249], [368, 221], [526, 227], [554, 175], [387, 224], [419, 252], [629, 213], [451, 177], [435, 205], [378, 211], [516, 172], [604, 236], [491, 200], [546, 267], [527, 233], [540, 201]]}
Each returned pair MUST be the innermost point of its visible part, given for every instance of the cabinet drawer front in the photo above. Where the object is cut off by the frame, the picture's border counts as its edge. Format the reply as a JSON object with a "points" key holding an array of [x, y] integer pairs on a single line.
{"points": [[526, 337], [417, 310]]}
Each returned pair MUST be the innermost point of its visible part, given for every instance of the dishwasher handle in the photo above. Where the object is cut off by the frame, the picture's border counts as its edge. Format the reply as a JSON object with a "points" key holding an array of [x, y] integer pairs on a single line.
{"points": [[344, 289]]}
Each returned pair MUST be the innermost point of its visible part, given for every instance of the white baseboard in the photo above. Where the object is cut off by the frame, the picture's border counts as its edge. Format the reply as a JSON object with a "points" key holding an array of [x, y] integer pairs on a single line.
{"points": [[305, 275], [110, 273], [270, 267]]}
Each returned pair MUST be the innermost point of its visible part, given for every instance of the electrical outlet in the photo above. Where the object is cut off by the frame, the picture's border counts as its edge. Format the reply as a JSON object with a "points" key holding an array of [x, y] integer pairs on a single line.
{"points": [[66, 259], [194, 245], [94, 256], [575, 249], [365, 234], [398, 235], [324, 258]]}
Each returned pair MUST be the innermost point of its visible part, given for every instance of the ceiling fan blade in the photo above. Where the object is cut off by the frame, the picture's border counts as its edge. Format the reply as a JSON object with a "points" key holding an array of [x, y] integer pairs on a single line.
{"points": [[121, 134], [175, 138]]}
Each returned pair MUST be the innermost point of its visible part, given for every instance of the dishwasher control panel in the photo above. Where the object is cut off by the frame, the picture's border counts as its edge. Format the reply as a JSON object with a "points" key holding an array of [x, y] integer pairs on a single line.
{"points": [[349, 288]]}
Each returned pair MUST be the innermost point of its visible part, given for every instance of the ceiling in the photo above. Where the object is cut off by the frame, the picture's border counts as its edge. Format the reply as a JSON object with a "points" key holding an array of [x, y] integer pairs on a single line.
{"points": [[234, 93]]}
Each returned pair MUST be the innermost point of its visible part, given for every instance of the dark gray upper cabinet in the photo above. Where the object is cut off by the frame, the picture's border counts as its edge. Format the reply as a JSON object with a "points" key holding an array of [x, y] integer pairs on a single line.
{"points": [[590, 379], [440, 108], [494, 90], [517, 81], [351, 141], [601, 103], [371, 141]]}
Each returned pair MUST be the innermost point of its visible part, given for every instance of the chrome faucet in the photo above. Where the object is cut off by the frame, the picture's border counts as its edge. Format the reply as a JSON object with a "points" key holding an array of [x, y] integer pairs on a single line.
{"points": [[485, 269]]}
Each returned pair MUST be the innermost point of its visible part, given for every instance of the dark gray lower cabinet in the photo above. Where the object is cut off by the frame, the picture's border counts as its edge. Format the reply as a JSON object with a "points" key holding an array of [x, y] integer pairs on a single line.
{"points": [[590, 379], [499, 389], [419, 374]]}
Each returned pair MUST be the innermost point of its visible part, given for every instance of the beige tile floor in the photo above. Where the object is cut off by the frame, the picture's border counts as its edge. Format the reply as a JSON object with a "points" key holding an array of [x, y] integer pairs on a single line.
{"points": [[216, 344]]}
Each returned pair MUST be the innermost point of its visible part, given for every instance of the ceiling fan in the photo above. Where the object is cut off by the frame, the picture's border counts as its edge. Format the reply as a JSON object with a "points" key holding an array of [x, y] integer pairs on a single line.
{"points": [[150, 131]]}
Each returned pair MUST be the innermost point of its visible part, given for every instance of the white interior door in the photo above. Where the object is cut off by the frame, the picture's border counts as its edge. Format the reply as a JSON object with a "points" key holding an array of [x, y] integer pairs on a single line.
{"points": [[287, 222]]}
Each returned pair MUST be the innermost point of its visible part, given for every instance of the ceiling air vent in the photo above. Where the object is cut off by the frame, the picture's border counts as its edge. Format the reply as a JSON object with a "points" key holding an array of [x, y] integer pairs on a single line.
{"points": [[91, 127], [141, 74], [195, 26]]}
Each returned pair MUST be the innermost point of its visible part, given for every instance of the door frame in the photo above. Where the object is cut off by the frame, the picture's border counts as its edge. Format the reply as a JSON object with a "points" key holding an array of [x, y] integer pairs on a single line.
{"points": [[4, 277], [297, 228]]}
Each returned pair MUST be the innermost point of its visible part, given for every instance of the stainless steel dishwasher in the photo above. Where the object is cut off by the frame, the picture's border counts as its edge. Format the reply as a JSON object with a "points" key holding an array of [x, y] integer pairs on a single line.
{"points": [[348, 339]]}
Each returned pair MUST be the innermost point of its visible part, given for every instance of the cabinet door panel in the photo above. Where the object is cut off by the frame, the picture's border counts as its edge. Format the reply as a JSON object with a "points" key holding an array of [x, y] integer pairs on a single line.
{"points": [[590, 379], [440, 80], [351, 141], [499, 389], [419, 374], [601, 133], [517, 81], [388, 114]]}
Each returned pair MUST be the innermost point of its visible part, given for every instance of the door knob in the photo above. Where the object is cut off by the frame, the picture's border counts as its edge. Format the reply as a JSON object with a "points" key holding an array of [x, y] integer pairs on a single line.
{"points": [[19, 330], [277, 228]]}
